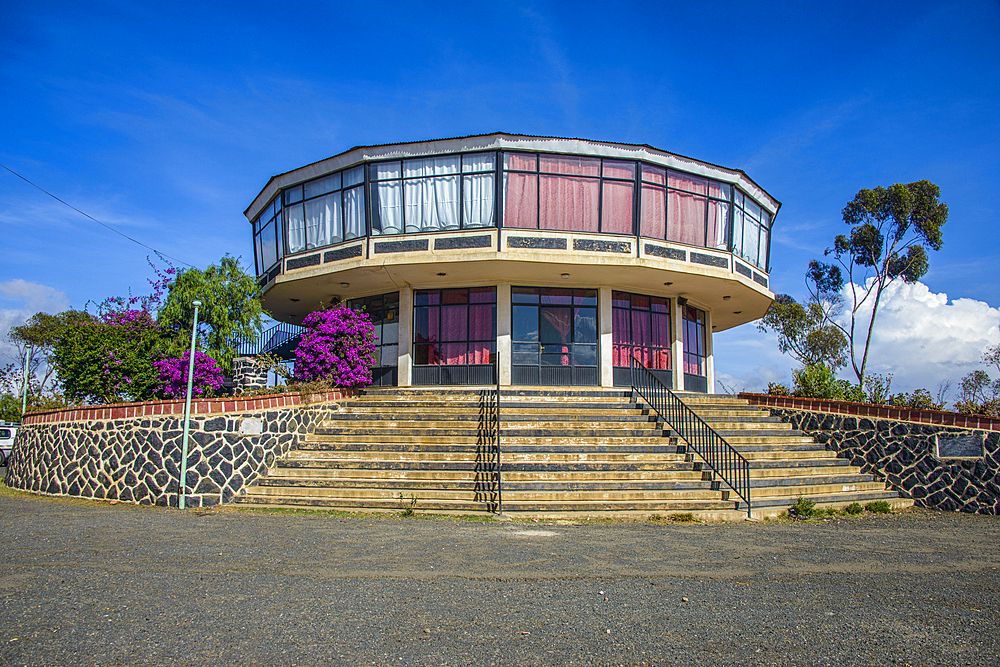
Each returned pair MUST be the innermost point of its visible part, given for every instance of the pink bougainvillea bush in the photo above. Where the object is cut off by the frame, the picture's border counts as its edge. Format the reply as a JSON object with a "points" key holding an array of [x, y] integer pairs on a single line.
{"points": [[338, 346], [208, 376]]}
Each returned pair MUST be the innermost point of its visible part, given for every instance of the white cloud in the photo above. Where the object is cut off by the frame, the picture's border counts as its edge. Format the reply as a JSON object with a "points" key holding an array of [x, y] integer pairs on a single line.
{"points": [[922, 339], [26, 299]]}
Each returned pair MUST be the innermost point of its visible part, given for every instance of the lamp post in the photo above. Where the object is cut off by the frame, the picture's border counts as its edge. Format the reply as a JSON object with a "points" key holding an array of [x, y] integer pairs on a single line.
{"points": [[24, 381], [182, 490]]}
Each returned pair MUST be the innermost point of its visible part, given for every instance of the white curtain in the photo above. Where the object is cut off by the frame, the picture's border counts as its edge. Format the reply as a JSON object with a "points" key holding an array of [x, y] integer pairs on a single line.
{"points": [[324, 220], [751, 232], [477, 191], [296, 228], [354, 212], [718, 224], [432, 196], [389, 202]]}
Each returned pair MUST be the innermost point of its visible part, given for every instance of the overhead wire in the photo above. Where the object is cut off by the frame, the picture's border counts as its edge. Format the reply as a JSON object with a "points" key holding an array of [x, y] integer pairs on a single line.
{"points": [[86, 215]]}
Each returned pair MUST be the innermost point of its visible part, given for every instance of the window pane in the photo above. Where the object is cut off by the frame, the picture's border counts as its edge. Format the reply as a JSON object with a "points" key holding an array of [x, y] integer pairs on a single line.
{"points": [[585, 297], [293, 195], [455, 295], [616, 208], [525, 323], [455, 353], [479, 162], [718, 225], [432, 166], [621, 330], [719, 190], [385, 170], [520, 201], [520, 161], [657, 175], [390, 355], [688, 182], [569, 203], [565, 164], [585, 355], [481, 320], [268, 250], [323, 220], [524, 354], [321, 186], [482, 295], [478, 205], [653, 212], [686, 218], [556, 295], [354, 176], [619, 169], [737, 240], [585, 325], [524, 295], [620, 300], [387, 207], [296, 228], [554, 324], [751, 233], [481, 352], [354, 213], [431, 204], [764, 248]]}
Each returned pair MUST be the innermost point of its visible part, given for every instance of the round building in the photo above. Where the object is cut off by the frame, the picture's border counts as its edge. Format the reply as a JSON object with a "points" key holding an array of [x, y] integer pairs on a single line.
{"points": [[567, 257]]}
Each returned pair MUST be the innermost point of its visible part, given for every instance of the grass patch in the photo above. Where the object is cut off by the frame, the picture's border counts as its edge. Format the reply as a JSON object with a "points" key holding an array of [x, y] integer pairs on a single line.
{"points": [[854, 509], [802, 509], [683, 517], [878, 507]]}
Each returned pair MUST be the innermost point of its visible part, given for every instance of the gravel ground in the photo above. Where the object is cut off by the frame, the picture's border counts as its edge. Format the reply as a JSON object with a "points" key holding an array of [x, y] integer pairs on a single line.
{"points": [[85, 583]]}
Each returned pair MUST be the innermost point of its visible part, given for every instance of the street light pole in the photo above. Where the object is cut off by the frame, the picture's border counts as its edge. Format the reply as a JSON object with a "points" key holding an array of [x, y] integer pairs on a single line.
{"points": [[182, 489], [24, 381]]}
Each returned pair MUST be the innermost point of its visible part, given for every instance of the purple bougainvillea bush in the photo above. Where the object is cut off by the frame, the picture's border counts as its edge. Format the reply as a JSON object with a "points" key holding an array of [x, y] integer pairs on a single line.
{"points": [[338, 346], [208, 376]]}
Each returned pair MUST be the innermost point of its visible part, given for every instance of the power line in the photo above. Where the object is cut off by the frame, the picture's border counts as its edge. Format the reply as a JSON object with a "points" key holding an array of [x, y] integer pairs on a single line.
{"points": [[161, 254]]}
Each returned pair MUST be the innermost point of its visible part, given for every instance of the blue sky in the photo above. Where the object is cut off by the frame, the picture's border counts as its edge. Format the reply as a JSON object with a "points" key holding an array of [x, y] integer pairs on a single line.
{"points": [[165, 121]]}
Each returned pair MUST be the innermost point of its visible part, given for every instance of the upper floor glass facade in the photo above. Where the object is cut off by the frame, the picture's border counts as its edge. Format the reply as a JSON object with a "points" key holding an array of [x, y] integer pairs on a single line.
{"points": [[512, 189]]}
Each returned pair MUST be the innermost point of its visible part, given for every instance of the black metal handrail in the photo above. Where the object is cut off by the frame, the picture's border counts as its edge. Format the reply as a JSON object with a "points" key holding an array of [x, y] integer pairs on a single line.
{"points": [[718, 454], [278, 336], [496, 433]]}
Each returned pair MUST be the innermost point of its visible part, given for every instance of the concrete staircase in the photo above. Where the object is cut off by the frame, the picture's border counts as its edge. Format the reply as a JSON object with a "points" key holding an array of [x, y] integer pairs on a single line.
{"points": [[564, 452]]}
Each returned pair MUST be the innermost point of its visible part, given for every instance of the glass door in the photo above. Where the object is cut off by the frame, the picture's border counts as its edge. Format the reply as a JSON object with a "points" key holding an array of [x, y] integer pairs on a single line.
{"points": [[554, 337]]}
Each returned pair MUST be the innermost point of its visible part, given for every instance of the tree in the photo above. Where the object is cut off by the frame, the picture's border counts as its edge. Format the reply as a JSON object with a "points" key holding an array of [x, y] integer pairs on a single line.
{"points": [[804, 333], [230, 309], [109, 357], [338, 346], [891, 230]]}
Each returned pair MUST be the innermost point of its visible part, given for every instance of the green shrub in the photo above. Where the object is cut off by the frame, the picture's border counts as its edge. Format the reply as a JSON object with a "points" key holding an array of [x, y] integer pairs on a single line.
{"points": [[878, 507], [802, 509], [920, 399], [816, 381], [777, 389], [877, 388], [851, 392], [854, 508]]}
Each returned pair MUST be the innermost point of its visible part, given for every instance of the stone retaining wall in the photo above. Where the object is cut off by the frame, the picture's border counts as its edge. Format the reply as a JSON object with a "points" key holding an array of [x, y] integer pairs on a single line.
{"points": [[906, 454], [132, 452]]}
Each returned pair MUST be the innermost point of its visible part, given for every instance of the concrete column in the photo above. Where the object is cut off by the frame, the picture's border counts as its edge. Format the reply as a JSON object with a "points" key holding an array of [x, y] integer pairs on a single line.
{"points": [[709, 350], [677, 347], [504, 331], [405, 360], [605, 342]]}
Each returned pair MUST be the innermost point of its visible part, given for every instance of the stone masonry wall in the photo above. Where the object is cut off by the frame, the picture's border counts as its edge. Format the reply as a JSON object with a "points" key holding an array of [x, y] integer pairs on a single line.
{"points": [[904, 454], [101, 453]]}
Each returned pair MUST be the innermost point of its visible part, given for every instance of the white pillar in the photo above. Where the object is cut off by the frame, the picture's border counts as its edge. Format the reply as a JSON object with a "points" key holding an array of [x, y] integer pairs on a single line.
{"points": [[677, 331], [709, 350], [504, 330], [405, 359], [606, 340]]}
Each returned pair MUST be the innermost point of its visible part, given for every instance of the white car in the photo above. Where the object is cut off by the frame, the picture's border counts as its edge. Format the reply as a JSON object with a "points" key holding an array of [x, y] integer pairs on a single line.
{"points": [[7, 433]]}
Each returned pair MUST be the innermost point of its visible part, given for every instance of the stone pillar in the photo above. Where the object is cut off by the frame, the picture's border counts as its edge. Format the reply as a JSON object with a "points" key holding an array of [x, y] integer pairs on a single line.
{"points": [[405, 359], [709, 352], [247, 375], [606, 339], [504, 332], [677, 348]]}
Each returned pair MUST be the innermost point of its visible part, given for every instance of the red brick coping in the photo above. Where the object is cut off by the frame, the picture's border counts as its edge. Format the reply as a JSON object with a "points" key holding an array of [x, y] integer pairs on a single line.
{"points": [[939, 417], [200, 406]]}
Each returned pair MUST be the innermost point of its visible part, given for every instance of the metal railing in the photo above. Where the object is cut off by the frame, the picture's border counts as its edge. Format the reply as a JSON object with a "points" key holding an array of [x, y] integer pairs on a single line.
{"points": [[488, 462], [278, 336], [718, 454]]}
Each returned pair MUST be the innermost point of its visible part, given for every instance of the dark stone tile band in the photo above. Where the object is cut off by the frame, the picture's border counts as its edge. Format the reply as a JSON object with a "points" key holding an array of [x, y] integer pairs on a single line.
{"points": [[709, 260], [593, 245], [759, 279], [536, 242], [415, 245], [302, 262], [745, 270], [457, 242], [342, 253], [668, 253]]}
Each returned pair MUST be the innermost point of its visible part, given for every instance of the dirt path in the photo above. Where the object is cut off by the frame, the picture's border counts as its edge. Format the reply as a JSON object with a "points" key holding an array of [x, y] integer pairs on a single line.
{"points": [[93, 584]]}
